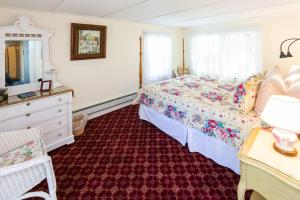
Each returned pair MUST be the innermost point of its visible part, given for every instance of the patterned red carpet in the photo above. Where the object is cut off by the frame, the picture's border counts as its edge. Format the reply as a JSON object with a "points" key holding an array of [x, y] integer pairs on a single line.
{"points": [[121, 157]]}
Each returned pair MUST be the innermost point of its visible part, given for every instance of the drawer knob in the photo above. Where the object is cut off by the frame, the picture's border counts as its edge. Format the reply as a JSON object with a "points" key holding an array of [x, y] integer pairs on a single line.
{"points": [[28, 127], [60, 110], [28, 114], [60, 99], [28, 104], [59, 122], [59, 134]]}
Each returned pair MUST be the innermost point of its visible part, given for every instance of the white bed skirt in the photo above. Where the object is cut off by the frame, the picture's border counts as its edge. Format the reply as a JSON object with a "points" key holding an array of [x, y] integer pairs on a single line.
{"points": [[222, 153], [171, 127]]}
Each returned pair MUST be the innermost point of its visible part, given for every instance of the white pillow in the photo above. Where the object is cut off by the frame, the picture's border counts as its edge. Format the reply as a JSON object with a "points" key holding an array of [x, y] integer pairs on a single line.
{"points": [[269, 87], [294, 90], [293, 77], [278, 81], [274, 71]]}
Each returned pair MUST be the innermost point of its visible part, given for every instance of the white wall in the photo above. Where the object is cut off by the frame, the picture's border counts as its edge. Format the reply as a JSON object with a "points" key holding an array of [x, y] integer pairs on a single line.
{"points": [[274, 29], [274, 32], [95, 81]]}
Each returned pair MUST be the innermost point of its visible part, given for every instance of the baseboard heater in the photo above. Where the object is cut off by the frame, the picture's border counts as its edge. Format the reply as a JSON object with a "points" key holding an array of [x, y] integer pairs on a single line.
{"points": [[107, 106]]}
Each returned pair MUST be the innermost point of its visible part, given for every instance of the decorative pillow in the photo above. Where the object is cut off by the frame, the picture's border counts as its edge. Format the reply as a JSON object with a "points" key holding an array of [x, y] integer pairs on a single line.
{"points": [[293, 77], [274, 71], [278, 81], [245, 93], [271, 86], [294, 90]]}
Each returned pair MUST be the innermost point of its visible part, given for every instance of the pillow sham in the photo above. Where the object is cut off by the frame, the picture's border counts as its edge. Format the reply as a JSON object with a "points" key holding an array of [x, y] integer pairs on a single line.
{"points": [[293, 77], [278, 81], [294, 90], [245, 93], [273, 85], [274, 71]]}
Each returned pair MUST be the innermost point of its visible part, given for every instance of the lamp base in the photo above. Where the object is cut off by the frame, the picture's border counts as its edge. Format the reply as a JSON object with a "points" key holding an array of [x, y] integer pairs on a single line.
{"points": [[284, 141], [292, 153]]}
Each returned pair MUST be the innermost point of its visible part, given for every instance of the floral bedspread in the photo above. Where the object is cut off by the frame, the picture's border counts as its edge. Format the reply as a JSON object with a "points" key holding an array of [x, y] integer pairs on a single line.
{"points": [[203, 103]]}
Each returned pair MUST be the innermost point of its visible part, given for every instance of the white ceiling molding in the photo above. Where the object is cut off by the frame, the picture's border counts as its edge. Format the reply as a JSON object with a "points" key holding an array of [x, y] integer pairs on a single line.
{"points": [[58, 5], [178, 13]]}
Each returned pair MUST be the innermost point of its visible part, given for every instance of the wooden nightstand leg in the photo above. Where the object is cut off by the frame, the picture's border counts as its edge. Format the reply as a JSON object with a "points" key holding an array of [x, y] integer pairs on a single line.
{"points": [[242, 187], [241, 190], [256, 196]]}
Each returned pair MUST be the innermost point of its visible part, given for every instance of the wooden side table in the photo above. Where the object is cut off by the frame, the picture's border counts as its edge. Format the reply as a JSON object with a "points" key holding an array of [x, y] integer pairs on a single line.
{"points": [[266, 171]]}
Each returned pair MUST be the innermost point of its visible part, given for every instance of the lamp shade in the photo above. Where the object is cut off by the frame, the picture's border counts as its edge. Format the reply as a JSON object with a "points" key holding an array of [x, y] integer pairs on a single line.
{"points": [[282, 112]]}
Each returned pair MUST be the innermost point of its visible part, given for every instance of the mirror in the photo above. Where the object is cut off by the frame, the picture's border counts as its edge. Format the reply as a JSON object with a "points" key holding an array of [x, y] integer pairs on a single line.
{"points": [[24, 57], [23, 62]]}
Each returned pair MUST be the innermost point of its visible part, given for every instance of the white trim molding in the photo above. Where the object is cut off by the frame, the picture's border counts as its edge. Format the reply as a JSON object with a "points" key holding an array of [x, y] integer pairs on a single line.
{"points": [[103, 108]]}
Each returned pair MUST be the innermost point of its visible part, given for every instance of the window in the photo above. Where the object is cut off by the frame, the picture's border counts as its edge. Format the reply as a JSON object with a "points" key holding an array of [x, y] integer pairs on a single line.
{"points": [[157, 58], [226, 55]]}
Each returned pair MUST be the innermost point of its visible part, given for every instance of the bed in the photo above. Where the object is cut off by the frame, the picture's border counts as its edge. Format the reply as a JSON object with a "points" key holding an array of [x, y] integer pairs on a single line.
{"points": [[210, 116], [198, 112]]}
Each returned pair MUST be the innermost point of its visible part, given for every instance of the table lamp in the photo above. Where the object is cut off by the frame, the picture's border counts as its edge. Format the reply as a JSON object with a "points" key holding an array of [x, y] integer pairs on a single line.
{"points": [[282, 113]]}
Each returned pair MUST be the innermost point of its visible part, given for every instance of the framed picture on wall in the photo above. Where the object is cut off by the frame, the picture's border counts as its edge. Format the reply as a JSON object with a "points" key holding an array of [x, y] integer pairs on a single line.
{"points": [[88, 41]]}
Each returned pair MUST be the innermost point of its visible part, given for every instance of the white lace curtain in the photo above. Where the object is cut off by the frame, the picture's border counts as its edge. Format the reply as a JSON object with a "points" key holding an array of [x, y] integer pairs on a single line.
{"points": [[226, 55], [156, 57]]}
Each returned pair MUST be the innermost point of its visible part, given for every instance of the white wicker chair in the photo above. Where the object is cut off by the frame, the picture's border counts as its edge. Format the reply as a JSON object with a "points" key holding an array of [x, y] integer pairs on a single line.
{"points": [[29, 166]]}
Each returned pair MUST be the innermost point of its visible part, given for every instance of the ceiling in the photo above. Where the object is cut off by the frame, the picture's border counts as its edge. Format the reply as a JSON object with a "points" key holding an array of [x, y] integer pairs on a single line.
{"points": [[179, 13]]}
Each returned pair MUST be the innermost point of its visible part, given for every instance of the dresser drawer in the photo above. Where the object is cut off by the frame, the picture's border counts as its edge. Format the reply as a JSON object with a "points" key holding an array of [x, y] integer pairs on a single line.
{"points": [[30, 119], [52, 125], [48, 114], [32, 106], [55, 136], [14, 124]]}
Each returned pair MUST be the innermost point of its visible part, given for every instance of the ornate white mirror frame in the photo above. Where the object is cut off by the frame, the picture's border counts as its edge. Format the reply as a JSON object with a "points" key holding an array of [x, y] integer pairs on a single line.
{"points": [[24, 29]]}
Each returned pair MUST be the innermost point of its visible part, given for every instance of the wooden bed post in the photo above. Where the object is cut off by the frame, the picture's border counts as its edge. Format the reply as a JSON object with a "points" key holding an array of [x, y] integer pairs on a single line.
{"points": [[183, 63], [141, 65], [183, 70]]}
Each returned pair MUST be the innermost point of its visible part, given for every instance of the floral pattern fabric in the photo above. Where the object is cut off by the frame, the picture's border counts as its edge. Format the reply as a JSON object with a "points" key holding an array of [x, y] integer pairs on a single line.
{"points": [[203, 103], [28, 151], [245, 93]]}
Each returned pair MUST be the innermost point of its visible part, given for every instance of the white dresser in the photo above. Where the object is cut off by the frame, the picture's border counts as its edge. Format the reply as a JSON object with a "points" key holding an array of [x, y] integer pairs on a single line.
{"points": [[51, 111]]}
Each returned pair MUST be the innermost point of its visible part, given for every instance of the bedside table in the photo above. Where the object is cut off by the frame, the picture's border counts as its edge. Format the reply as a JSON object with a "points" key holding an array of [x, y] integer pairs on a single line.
{"points": [[266, 171]]}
